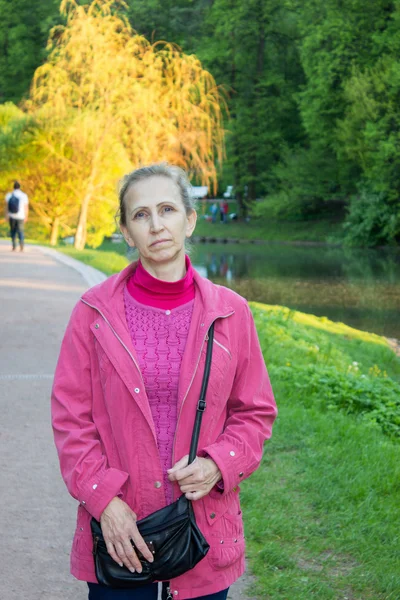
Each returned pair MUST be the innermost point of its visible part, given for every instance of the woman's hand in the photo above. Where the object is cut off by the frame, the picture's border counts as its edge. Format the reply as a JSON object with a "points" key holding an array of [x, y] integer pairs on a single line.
{"points": [[118, 524], [197, 479]]}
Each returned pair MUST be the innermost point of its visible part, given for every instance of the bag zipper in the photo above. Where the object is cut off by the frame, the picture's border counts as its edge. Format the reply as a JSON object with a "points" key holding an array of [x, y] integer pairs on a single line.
{"points": [[169, 594], [96, 541]]}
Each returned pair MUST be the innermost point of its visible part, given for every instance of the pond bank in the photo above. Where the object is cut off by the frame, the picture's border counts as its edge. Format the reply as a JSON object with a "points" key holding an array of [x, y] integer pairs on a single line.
{"points": [[201, 239]]}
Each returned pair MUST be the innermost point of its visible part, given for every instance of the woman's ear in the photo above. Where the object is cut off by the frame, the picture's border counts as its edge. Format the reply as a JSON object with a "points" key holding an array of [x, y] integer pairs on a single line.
{"points": [[191, 223], [126, 235]]}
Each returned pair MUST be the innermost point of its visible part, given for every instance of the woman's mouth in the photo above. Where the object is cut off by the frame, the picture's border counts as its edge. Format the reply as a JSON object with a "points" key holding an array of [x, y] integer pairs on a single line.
{"points": [[159, 242]]}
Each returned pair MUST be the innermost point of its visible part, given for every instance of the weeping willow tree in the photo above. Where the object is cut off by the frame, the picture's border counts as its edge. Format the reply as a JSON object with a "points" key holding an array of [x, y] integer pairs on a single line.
{"points": [[109, 101]]}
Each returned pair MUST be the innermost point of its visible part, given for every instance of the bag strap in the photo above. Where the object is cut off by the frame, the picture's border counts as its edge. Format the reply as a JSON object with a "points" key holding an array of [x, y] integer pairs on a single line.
{"points": [[201, 406]]}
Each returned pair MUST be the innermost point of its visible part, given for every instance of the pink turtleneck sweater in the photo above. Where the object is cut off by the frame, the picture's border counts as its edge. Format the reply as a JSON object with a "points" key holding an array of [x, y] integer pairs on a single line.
{"points": [[158, 314]]}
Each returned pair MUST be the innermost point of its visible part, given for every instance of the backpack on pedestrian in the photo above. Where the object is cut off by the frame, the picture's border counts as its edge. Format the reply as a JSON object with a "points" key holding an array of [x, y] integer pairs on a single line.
{"points": [[13, 204]]}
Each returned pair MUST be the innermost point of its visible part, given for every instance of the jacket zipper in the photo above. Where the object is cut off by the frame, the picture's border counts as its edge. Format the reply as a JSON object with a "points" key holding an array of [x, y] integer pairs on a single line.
{"points": [[191, 381], [117, 336]]}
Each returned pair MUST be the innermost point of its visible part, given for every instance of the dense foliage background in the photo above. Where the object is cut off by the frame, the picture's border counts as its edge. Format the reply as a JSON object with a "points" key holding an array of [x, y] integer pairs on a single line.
{"points": [[313, 97]]}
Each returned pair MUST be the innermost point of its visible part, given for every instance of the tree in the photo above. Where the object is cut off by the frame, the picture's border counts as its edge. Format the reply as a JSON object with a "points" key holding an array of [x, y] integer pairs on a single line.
{"points": [[251, 47], [23, 157], [107, 100], [24, 28]]}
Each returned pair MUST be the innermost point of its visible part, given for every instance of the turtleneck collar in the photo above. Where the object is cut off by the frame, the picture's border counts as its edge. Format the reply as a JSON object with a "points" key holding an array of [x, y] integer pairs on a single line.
{"points": [[146, 289]]}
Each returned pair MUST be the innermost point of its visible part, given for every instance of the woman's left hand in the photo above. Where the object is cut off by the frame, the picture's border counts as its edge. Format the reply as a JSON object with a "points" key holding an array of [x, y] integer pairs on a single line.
{"points": [[197, 479]]}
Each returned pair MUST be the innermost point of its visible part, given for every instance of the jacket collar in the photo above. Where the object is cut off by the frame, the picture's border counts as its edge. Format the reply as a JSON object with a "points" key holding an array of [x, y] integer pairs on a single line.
{"points": [[107, 297]]}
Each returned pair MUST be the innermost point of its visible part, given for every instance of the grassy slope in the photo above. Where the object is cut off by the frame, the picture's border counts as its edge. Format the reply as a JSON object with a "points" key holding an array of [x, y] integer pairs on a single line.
{"points": [[322, 512]]}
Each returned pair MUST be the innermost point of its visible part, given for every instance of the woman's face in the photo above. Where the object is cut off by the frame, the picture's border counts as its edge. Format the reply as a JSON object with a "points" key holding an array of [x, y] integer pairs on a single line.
{"points": [[156, 220]]}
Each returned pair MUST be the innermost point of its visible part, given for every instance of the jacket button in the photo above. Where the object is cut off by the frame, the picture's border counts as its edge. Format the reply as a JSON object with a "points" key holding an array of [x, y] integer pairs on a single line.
{"points": [[241, 474], [157, 484], [137, 390], [83, 502], [212, 516], [96, 326], [232, 453]]}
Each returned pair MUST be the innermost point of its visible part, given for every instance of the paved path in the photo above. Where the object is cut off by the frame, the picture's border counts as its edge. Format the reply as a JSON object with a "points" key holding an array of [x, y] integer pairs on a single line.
{"points": [[37, 519]]}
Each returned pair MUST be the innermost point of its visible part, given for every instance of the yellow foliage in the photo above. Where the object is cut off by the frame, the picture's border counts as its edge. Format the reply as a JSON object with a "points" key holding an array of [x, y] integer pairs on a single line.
{"points": [[108, 101]]}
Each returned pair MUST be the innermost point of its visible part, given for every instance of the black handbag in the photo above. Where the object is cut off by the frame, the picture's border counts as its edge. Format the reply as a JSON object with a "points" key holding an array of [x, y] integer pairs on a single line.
{"points": [[171, 533]]}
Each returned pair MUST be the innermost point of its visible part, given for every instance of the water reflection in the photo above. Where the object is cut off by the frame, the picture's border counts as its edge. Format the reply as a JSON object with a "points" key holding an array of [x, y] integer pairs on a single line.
{"points": [[359, 287]]}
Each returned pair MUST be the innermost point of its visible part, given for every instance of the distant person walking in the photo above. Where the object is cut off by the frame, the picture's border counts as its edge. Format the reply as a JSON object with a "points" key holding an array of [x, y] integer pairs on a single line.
{"points": [[224, 207], [221, 212], [225, 210], [17, 210], [214, 211]]}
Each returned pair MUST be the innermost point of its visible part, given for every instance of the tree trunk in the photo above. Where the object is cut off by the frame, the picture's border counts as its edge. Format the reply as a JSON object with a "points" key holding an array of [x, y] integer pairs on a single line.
{"points": [[54, 231], [80, 235]]}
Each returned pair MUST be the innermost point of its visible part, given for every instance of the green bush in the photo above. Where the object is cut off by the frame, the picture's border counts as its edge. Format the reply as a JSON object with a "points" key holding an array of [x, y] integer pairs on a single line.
{"points": [[371, 220], [376, 397]]}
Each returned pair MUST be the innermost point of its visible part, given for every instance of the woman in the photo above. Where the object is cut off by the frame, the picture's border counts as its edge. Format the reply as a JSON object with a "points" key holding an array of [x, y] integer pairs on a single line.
{"points": [[126, 389]]}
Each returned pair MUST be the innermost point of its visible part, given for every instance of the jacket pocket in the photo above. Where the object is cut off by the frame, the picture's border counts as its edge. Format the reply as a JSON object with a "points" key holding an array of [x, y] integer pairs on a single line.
{"points": [[225, 536], [226, 552], [224, 512]]}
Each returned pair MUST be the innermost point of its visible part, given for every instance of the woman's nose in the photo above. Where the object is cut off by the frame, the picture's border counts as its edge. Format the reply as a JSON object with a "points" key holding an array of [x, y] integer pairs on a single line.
{"points": [[156, 223]]}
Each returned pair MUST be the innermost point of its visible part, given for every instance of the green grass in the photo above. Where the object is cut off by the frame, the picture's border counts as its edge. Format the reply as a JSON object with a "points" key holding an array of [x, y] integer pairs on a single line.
{"points": [[108, 262], [322, 512]]}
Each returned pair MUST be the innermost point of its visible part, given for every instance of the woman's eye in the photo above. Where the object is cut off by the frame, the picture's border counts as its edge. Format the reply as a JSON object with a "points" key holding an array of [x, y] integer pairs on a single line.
{"points": [[139, 215], [168, 209]]}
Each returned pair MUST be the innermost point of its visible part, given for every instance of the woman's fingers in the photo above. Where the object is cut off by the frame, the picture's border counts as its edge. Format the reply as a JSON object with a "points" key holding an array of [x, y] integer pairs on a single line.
{"points": [[196, 495], [199, 477], [125, 552], [111, 551], [131, 561], [118, 523], [179, 466], [141, 546]]}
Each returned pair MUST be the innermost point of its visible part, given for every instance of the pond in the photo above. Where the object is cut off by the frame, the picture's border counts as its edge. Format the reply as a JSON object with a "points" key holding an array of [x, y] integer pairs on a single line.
{"points": [[358, 287]]}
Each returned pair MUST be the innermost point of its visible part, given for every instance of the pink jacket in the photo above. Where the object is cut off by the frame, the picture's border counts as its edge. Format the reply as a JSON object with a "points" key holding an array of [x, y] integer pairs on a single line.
{"points": [[105, 436]]}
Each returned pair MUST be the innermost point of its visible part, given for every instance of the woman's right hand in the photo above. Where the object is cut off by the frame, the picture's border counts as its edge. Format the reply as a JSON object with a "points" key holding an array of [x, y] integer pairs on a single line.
{"points": [[118, 524]]}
